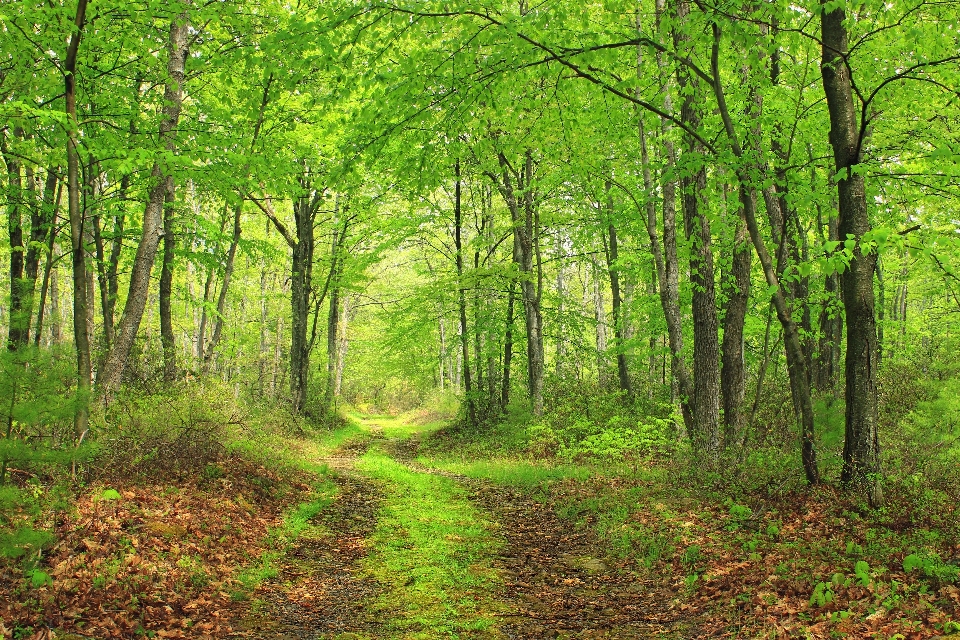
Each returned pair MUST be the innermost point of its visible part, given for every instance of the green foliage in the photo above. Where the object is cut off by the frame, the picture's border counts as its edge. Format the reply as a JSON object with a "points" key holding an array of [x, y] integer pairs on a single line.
{"points": [[932, 567], [176, 431], [23, 542], [822, 594], [606, 430]]}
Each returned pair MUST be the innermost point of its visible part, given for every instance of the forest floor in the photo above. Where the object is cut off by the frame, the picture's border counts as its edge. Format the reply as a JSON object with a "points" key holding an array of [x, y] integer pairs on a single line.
{"points": [[409, 551], [423, 543], [389, 528]]}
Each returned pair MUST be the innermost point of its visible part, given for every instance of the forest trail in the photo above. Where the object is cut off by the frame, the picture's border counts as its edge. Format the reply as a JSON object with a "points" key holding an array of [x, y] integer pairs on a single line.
{"points": [[407, 551]]}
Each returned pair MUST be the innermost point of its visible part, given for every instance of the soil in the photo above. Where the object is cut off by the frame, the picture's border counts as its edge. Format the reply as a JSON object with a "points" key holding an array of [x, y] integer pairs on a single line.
{"points": [[555, 580]]}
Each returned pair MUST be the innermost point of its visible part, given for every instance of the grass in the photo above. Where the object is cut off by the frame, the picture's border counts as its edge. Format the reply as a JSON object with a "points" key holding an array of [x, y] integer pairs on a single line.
{"points": [[432, 552], [514, 473]]}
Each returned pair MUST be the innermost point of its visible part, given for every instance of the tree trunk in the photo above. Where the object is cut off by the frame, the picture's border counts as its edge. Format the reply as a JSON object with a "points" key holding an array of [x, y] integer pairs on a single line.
{"points": [[80, 331], [300, 278], [861, 449], [706, 347], [522, 206], [343, 344], [224, 287], [462, 297], [612, 254], [49, 268], [153, 214], [796, 360], [665, 260], [167, 337], [18, 331], [733, 378], [507, 349], [333, 315]]}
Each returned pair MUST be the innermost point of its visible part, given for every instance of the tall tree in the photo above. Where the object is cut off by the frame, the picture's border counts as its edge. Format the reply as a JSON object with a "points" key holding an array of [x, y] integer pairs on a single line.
{"points": [[163, 184]]}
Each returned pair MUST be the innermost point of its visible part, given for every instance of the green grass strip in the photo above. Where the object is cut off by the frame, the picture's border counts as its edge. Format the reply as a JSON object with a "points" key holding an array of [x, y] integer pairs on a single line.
{"points": [[514, 473], [432, 552]]}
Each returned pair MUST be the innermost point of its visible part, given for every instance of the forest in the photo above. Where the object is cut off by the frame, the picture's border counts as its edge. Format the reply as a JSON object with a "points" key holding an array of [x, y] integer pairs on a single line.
{"points": [[424, 319]]}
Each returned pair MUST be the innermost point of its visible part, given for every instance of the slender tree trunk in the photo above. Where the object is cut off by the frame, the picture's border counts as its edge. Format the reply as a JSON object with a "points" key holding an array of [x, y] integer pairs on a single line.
{"points": [[48, 269], [167, 337], [665, 259], [733, 378], [80, 331], [18, 331], [333, 315], [343, 343], [861, 449], [153, 214], [521, 203], [796, 358], [224, 287], [612, 254], [462, 296], [301, 277], [507, 349], [600, 322]]}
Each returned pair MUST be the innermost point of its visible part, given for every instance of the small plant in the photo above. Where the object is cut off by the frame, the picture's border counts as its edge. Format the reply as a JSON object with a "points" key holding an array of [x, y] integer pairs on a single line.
{"points": [[931, 567], [822, 594], [691, 556], [862, 571]]}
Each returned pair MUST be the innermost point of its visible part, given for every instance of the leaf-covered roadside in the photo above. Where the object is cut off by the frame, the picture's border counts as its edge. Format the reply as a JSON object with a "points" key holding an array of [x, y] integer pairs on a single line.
{"points": [[812, 564], [158, 559]]}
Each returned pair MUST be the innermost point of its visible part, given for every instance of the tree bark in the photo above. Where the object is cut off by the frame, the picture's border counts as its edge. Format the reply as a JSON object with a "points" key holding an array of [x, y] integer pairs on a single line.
{"points": [[733, 379], [220, 315], [462, 296], [521, 203], [507, 349], [116, 359], [49, 268], [80, 330], [18, 331], [612, 254], [796, 360], [706, 347], [167, 338], [861, 449]]}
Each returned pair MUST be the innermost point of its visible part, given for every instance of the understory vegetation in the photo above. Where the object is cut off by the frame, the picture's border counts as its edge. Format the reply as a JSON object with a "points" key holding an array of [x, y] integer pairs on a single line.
{"points": [[429, 319]]}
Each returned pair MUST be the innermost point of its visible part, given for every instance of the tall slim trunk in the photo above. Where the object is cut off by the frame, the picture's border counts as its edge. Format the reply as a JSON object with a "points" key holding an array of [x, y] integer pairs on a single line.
{"points": [[861, 448], [333, 315], [129, 325], [612, 254], [796, 359], [18, 331], [48, 268], [301, 279], [665, 259], [831, 320], [220, 316], [462, 296], [522, 205], [167, 338], [80, 331], [733, 378], [600, 322], [507, 349], [343, 343], [706, 347]]}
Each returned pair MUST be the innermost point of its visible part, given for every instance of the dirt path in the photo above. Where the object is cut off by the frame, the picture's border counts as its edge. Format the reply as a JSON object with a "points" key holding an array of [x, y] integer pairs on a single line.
{"points": [[553, 580], [558, 585], [319, 590]]}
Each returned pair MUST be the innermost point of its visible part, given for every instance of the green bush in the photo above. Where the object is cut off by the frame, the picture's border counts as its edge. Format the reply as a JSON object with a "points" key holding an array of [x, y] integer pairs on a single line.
{"points": [[177, 431]]}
